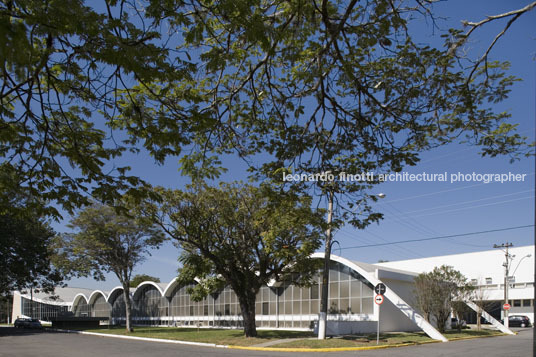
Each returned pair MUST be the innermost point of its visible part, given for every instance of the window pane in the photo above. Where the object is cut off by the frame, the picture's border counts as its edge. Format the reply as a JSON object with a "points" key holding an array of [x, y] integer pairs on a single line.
{"points": [[355, 287], [367, 306], [296, 293], [344, 306], [296, 307], [355, 305], [333, 306], [333, 290], [305, 307], [315, 307], [314, 291], [306, 293], [345, 287]]}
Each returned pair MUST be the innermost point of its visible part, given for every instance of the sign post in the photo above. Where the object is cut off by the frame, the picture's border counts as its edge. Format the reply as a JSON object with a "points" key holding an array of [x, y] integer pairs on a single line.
{"points": [[378, 299]]}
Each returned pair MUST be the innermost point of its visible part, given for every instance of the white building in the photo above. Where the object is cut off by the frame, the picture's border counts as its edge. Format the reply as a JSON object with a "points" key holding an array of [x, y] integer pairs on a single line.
{"points": [[486, 271], [352, 307]]}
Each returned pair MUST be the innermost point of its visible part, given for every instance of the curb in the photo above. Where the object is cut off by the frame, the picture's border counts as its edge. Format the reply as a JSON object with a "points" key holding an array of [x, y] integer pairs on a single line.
{"points": [[328, 349]]}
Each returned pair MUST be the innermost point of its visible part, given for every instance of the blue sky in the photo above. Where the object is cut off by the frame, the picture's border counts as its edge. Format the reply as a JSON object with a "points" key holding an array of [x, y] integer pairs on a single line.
{"points": [[415, 210]]}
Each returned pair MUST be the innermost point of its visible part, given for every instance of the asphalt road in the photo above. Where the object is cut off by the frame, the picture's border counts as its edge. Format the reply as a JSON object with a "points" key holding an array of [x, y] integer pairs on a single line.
{"points": [[27, 343]]}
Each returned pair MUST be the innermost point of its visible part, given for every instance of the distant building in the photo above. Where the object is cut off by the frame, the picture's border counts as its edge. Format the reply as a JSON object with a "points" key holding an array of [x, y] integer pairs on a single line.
{"points": [[486, 271], [351, 298]]}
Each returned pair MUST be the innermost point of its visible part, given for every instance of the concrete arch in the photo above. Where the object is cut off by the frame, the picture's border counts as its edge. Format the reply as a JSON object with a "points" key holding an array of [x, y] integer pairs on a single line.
{"points": [[143, 285], [114, 293], [172, 285], [79, 296], [94, 295], [390, 295]]}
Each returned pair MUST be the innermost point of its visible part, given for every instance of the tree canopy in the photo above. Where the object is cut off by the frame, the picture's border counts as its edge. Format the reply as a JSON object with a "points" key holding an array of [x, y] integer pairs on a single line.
{"points": [[317, 86], [314, 86], [242, 236], [140, 278], [26, 243], [105, 240]]}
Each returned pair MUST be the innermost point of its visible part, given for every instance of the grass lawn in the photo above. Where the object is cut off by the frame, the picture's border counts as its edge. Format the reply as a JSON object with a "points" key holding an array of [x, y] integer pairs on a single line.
{"points": [[307, 339], [217, 336]]}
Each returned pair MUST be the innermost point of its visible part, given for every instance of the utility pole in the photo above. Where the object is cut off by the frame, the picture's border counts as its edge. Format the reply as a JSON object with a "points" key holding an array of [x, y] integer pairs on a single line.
{"points": [[506, 266], [322, 319]]}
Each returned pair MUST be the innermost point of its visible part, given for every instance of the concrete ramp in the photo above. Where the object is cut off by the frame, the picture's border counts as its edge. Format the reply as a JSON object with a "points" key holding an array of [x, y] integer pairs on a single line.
{"points": [[490, 319]]}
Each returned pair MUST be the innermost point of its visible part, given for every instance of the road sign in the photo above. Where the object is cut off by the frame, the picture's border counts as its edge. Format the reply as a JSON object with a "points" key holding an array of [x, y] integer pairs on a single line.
{"points": [[378, 299], [506, 307], [380, 289]]}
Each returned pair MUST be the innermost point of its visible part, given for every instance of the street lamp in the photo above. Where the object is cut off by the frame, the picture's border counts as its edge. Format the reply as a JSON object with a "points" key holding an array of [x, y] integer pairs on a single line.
{"points": [[323, 316], [526, 256]]}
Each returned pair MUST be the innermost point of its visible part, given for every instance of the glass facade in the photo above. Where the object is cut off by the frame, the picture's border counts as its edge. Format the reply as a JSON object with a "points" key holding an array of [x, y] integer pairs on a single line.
{"points": [[40, 310], [100, 307], [281, 306], [81, 308]]}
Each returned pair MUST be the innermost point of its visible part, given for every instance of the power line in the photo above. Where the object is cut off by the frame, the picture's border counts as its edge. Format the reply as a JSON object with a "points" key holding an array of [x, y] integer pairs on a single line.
{"points": [[470, 207], [435, 238], [443, 191]]}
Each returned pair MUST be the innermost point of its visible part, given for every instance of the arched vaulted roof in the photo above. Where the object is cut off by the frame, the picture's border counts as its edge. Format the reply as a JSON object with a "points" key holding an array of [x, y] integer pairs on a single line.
{"points": [[172, 285], [95, 294], [142, 287], [78, 297]]}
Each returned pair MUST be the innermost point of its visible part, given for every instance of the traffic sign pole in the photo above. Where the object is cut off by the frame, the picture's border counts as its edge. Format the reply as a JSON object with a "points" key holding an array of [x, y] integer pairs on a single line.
{"points": [[378, 331], [378, 299]]}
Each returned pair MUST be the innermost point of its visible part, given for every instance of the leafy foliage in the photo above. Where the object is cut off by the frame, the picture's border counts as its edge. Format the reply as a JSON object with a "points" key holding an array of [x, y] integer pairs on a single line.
{"points": [[25, 254], [315, 87], [439, 292], [62, 65], [242, 236], [140, 278]]}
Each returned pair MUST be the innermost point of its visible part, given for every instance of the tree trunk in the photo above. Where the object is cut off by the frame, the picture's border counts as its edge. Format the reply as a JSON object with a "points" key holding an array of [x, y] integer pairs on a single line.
{"points": [[478, 318], [247, 304], [128, 307]]}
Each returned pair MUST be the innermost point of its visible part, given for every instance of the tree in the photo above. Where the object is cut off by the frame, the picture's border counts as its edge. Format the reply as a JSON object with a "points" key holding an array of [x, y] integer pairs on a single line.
{"points": [[439, 292], [26, 243], [242, 236], [140, 278], [481, 299], [108, 240]]}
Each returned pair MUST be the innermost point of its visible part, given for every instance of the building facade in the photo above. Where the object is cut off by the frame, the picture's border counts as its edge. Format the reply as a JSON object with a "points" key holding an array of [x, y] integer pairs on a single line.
{"points": [[486, 271], [352, 308]]}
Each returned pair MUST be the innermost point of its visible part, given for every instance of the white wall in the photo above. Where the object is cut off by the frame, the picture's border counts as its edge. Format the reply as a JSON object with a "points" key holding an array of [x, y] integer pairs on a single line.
{"points": [[482, 265], [477, 265]]}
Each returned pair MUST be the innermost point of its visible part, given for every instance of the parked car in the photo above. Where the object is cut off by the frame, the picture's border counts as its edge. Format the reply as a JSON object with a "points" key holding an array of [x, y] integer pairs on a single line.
{"points": [[454, 323], [22, 322], [27, 323], [35, 323], [518, 321]]}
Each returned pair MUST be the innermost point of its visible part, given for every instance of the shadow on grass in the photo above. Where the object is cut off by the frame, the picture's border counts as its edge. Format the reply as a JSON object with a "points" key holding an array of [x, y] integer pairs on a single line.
{"points": [[230, 333]]}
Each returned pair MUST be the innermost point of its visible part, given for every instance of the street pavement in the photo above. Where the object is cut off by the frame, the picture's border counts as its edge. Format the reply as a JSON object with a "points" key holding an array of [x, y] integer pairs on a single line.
{"points": [[29, 343]]}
